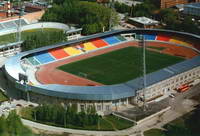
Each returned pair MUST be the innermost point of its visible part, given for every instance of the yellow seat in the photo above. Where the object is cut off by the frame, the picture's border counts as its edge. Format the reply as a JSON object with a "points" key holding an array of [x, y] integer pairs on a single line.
{"points": [[72, 51], [175, 41], [180, 42], [89, 46]]}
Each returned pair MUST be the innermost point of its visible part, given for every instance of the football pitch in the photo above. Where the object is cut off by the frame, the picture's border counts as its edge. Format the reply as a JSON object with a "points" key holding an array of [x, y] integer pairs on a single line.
{"points": [[119, 66]]}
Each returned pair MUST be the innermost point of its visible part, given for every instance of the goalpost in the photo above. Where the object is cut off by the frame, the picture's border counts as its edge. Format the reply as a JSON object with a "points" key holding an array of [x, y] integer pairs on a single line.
{"points": [[82, 74]]}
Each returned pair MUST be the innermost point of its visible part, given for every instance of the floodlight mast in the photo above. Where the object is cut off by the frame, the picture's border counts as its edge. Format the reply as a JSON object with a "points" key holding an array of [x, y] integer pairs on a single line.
{"points": [[144, 73], [111, 14], [21, 10]]}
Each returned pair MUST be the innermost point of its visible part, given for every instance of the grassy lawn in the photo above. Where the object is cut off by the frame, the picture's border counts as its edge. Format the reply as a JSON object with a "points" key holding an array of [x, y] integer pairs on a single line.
{"points": [[154, 132], [119, 66], [4, 39], [27, 113], [3, 97], [187, 125], [119, 123]]}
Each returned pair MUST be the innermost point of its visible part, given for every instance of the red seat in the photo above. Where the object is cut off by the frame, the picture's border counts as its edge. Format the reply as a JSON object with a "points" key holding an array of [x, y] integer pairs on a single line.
{"points": [[58, 53], [99, 43], [163, 38]]}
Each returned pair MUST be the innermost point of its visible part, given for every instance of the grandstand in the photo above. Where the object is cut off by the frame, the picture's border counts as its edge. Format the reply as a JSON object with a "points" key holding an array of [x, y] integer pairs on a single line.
{"points": [[95, 44], [64, 52], [106, 98], [167, 38]]}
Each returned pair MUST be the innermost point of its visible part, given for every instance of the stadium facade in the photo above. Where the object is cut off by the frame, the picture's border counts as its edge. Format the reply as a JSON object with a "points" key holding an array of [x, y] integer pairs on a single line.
{"points": [[108, 98]]}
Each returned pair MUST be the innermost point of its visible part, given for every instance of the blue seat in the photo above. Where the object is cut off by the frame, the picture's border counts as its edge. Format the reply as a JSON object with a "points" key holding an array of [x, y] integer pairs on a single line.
{"points": [[111, 40], [33, 61], [149, 37], [44, 57]]}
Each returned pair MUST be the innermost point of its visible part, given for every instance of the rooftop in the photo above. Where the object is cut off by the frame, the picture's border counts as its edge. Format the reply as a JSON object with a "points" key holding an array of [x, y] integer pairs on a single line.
{"points": [[193, 5], [144, 20]]}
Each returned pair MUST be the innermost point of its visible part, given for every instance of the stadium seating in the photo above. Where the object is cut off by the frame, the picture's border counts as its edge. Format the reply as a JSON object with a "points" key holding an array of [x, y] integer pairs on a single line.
{"points": [[179, 41], [72, 51], [44, 57], [121, 38], [98, 43], [33, 61], [58, 53], [64, 52], [111, 40], [163, 38], [89, 46], [149, 37]]}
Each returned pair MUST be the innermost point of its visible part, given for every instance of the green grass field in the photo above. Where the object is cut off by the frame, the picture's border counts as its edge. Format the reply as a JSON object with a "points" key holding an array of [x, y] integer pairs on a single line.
{"points": [[119, 66], [4, 39], [154, 132]]}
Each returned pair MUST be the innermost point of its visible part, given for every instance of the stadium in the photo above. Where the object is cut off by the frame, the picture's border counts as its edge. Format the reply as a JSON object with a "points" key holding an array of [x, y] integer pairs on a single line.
{"points": [[10, 29], [105, 70]]}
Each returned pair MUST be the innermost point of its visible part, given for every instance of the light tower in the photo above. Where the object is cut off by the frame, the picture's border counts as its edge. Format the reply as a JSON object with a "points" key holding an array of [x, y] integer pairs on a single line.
{"points": [[9, 8], [21, 10], [141, 43], [111, 14], [144, 73]]}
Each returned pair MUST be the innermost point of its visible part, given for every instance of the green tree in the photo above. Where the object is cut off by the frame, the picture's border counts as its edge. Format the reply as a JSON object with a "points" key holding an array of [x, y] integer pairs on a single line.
{"points": [[92, 17]]}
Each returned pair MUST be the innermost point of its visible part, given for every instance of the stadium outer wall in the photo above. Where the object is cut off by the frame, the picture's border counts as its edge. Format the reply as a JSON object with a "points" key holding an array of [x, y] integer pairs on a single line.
{"points": [[107, 99]]}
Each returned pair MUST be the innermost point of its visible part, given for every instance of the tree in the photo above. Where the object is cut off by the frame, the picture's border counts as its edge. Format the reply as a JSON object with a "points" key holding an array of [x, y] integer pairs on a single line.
{"points": [[12, 126], [41, 39], [145, 9], [189, 26], [92, 17]]}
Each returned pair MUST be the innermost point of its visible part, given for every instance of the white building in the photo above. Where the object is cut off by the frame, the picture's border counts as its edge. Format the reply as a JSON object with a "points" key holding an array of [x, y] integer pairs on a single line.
{"points": [[143, 22]]}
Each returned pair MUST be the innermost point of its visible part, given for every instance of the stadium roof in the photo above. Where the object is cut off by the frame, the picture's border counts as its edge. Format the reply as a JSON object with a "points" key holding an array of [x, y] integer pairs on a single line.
{"points": [[10, 24], [107, 92], [193, 5], [166, 73]]}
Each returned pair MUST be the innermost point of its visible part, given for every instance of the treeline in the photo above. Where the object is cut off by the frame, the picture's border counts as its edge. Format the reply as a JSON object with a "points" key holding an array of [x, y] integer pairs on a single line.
{"points": [[173, 21], [146, 9], [187, 125], [169, 17], [67, 117], [92, 17], [122, 8], [41, 39], [12, 126]]}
